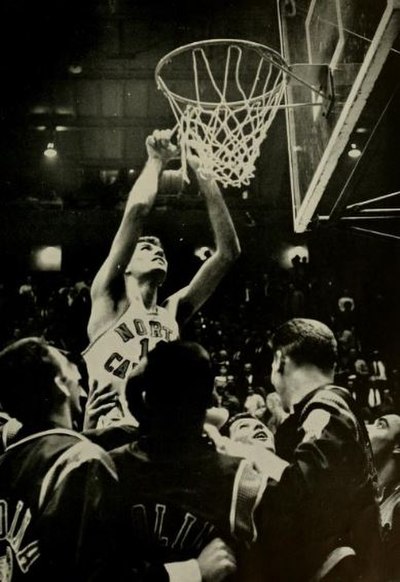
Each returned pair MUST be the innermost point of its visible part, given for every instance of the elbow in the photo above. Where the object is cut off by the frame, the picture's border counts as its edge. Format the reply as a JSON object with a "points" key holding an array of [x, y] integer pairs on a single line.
{"points": [[137, 211], [232, 253], [235, 250]]}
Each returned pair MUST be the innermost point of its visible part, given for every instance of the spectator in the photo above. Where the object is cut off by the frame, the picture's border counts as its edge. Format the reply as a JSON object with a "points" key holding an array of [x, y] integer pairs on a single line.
{"points": [[173, 468], [327, 496], [61, 485], [346, 302], [378, 381], [359, 373], [385, 441], [245, 379], [51, 468], [248, 429]]}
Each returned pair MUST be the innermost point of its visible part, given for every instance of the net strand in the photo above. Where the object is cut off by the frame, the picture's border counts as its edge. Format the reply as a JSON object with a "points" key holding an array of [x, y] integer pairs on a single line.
{"points": [[237, 75], [211, 76], [257, 78], [226, 72], [196, 80], [226, 136]]}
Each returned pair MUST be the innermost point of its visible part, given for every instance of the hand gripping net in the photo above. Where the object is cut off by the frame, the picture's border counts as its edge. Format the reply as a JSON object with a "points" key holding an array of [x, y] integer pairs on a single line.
{"points": [[225, 110]]}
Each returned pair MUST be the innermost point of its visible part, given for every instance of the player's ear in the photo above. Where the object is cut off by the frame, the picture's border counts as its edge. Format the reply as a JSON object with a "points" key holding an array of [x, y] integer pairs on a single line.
{"points": [[279, 361], [59, 381]]}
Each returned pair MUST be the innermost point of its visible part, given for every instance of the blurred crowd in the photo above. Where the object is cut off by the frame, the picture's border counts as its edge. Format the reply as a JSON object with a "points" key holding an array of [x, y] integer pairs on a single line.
{"points": [[235, 326]]}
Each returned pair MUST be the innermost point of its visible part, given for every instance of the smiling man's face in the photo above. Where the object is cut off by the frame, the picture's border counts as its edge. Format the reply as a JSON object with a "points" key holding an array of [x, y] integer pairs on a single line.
{"points": [[250, 431]]}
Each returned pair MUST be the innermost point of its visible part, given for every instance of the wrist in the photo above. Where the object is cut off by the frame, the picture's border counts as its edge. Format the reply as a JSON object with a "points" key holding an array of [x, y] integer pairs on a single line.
{"points": [[156, 163], [275, 465], [205, 178], [208, 186], [183, 571]]}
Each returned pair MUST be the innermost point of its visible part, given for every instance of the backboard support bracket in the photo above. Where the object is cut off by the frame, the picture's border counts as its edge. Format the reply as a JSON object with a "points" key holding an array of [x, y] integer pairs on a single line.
{"points": [[320, 80], [309, 188]]}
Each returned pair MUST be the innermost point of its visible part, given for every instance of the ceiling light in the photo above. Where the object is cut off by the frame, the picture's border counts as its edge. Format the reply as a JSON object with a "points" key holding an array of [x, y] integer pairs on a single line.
{"points": [[354, 152], [75, 69], [50, 152], [290, 252], [46, 258]]}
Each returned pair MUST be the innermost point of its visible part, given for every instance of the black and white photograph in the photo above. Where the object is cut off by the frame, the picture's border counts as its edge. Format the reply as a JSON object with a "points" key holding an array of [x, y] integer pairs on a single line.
{"points": [[199, 291]]}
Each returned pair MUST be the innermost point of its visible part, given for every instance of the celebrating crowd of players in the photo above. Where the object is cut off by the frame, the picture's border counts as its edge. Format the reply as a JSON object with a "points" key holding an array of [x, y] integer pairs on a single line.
{"points": [[120, 466]]}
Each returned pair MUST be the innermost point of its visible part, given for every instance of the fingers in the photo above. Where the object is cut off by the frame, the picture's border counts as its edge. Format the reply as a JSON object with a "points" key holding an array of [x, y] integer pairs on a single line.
{"points": [[162, 137], [200, 161], [104, 389], [99, 396], [159, 145], [104, 408], [216, 561], [100, 399], [221, 548], [226, 558], [93, 387]]}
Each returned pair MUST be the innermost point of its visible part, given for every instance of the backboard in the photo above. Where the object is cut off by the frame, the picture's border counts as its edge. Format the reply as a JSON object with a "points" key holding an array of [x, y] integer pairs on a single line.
{"points": [[347, 47]]}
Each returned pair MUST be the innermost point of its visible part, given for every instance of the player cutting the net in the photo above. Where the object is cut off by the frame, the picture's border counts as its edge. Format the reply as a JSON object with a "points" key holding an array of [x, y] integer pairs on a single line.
{"points": [[126, 320]]}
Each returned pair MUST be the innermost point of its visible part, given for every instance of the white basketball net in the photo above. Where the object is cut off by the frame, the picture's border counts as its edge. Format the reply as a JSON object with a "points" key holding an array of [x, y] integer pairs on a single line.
{"points": [[226, 134]]}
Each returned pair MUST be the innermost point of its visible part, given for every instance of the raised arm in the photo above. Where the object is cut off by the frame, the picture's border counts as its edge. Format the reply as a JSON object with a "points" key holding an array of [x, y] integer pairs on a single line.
{"points": [[192, 297], [108, 289]]}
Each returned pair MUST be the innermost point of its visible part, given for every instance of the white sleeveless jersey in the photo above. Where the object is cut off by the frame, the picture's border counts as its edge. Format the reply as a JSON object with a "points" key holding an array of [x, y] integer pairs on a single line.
{"points": [[115, 352]]}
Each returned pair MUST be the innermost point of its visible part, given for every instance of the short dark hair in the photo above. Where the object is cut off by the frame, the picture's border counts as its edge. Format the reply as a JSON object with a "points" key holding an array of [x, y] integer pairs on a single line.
{"points": [[307, 341], [27, 372], [177, 381], [225, 430], [154, 240]]}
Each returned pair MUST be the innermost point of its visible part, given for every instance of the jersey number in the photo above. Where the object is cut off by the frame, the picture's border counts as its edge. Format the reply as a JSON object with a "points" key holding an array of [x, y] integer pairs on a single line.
{"points": [[144, 345]]}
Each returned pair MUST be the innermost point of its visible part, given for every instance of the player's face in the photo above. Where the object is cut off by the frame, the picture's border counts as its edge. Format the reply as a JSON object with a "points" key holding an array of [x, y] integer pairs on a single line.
{"points": [[384, 433], [251, 430], [72, 379], [147, 258]]}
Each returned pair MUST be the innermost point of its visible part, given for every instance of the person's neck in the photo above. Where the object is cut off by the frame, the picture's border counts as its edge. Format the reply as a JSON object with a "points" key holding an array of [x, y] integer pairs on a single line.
{"points": [[146, 288], [306, 380], [62, 417], [163, 440], [388, 476], [54, 420]]}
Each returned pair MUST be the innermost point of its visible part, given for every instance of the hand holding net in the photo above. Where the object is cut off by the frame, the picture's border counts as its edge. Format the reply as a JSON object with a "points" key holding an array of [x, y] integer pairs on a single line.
{"points": [[237, 89]]}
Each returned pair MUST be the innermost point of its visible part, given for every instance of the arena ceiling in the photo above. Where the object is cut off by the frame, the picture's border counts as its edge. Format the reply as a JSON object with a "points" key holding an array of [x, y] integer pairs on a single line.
{"points": [[81, 74]]}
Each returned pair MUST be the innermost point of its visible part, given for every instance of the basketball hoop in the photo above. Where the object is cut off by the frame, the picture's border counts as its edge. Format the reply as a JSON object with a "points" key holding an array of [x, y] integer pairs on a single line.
{"points": [[223, 114]]}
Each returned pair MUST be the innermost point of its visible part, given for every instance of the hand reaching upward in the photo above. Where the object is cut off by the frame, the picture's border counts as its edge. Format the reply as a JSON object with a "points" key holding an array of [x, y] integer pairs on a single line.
{"points": [[160, 147], [202, 170]]}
